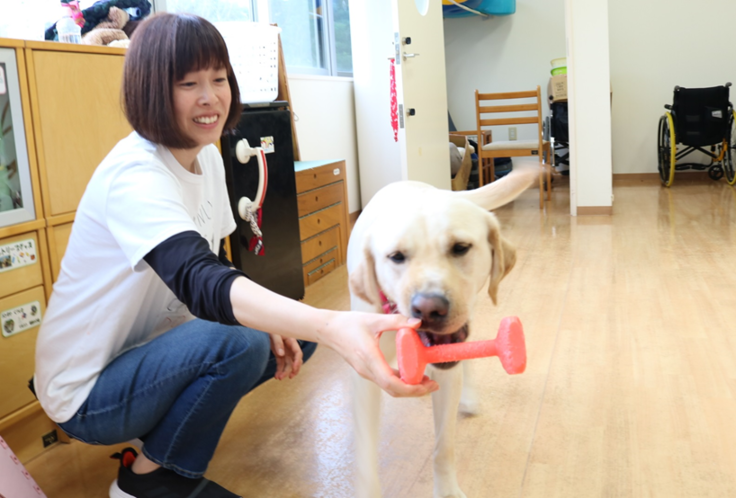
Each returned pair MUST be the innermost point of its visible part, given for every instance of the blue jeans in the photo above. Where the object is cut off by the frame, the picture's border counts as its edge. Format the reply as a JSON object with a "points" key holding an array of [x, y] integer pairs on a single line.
{"points": [[177, 392]]}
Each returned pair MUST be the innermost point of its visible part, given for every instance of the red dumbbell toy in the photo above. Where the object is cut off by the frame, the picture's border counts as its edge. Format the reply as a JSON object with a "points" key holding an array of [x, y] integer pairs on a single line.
{"points": [[413, 356]]}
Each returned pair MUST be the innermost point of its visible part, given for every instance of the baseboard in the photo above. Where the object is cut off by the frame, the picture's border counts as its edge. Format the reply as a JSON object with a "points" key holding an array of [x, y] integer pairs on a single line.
{"points": [[629, 179], [635, 178], [595, 210]]}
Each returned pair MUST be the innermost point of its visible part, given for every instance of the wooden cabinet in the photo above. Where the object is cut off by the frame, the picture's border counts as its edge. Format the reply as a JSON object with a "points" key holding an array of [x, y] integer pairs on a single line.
{"points": [[323, 216], [77, 118], [72, 117]]}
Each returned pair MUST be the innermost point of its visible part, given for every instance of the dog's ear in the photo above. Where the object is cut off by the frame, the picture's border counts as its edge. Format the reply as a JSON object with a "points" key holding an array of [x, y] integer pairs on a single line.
{"points": [[503, 256], [363, 281]]}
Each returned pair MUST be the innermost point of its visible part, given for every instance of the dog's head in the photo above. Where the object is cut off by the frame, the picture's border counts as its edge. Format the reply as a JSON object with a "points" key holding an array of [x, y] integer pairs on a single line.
{"points": [[431, 254]]}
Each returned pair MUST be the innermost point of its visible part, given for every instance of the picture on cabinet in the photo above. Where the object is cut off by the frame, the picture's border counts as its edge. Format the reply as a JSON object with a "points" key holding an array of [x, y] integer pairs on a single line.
{"points": [[16, 196]]}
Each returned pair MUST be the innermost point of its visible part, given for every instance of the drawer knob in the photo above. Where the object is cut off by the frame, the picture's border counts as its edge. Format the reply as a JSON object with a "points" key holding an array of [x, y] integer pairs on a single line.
{"points": [[316, 198], [336, 171], [320, 242], [319, 221]]}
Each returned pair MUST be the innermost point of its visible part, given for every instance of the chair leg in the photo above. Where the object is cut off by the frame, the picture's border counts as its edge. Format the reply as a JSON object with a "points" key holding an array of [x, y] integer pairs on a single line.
{"points": [[550, 165], [541, 188]]}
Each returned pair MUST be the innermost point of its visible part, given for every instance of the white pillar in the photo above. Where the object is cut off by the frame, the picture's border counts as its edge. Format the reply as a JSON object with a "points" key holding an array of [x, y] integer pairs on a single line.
{"points": [[589, 107]]}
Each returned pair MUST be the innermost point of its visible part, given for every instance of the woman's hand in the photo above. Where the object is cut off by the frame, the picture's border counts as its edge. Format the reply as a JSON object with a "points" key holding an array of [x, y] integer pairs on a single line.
{"points": [[288, 354], [355, 336]]}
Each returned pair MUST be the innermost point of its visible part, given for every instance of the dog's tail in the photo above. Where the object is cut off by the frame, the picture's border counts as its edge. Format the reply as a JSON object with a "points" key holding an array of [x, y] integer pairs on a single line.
{"points": [[506, 189]]}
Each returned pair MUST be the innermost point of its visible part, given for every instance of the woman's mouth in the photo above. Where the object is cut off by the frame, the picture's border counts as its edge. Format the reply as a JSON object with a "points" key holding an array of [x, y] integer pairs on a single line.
{"points": [[207, 120]]}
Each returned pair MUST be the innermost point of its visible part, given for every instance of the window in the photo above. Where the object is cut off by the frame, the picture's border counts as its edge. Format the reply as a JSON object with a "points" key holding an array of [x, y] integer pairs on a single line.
{"points": [[315, 33], [28, 19], [315, 36], [221, 10]]}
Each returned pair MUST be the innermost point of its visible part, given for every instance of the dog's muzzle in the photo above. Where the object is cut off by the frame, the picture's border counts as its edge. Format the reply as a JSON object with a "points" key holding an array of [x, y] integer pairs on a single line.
{"points": [[431, 339]]}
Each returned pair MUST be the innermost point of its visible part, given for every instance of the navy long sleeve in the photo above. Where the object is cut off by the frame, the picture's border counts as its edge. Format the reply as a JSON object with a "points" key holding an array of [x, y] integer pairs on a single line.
{"points": [[197, 277]]}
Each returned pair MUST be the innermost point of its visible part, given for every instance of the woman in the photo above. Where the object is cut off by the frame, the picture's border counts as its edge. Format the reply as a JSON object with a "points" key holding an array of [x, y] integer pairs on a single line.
{"points": [[120, 354]]}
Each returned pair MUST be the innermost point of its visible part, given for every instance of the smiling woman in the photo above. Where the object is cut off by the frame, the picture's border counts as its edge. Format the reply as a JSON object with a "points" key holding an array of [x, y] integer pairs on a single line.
{"points": [[176, 336]]}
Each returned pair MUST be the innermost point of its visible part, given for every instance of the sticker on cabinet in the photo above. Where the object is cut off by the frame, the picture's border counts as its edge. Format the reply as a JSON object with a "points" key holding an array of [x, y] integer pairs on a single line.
{"points": [[20, 318], [267, 145], [17, 254]]}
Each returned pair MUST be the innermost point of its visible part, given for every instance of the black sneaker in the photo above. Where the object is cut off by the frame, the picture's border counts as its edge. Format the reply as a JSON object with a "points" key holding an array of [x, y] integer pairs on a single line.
{"points": [[161, 483]]}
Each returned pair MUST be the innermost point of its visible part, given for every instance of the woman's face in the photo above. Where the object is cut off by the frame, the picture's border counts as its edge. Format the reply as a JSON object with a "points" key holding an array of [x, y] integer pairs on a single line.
{"points": [[201, 104]]}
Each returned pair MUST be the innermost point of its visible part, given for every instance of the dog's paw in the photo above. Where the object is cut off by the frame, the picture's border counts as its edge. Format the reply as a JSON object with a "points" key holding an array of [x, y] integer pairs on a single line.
{"points": [[455, 493], [469, 407]]}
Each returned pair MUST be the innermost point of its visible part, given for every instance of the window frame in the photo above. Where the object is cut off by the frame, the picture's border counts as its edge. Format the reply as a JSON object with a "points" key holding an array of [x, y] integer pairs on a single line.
{"points": [[329, 50]]}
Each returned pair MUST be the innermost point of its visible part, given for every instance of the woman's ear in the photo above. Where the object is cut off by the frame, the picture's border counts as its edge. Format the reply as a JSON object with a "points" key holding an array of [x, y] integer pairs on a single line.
{"points": [[503, 255], [363, 281]]}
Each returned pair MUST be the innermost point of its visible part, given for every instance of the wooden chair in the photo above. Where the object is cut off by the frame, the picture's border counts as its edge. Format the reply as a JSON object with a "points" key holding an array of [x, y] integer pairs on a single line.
{"points": [[531, 113]]}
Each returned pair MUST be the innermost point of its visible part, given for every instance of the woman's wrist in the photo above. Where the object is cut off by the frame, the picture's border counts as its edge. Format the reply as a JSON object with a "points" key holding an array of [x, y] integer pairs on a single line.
{"points": [[326, 327]]}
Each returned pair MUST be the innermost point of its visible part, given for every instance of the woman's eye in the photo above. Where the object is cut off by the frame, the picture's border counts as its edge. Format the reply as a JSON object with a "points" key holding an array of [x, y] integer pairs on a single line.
{"points": [[397, 257], [221, 80], [460, 249], [187, 84]]}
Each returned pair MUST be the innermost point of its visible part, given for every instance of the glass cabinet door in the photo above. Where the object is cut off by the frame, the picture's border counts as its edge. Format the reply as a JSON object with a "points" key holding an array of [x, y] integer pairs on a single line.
{"points": [[16, 196]]}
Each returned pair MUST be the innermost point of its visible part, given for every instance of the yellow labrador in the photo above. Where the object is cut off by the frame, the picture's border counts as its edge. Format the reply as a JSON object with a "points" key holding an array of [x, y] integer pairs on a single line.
{"points": [[426, 252]]}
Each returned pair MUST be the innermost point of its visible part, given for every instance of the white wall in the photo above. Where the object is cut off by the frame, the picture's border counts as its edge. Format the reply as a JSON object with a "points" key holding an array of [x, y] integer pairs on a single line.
{"points": [[325, 128], [591, 180], [505, 53], [655, 45]]}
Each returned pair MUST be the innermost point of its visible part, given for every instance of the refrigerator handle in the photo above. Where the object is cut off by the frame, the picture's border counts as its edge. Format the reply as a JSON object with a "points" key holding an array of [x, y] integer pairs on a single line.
{"points": [[244, 152]]}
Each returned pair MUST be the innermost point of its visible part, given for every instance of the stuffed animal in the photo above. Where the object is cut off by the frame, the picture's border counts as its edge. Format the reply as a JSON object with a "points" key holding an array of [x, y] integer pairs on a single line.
{"points": [[98, 13], [110, 30]]}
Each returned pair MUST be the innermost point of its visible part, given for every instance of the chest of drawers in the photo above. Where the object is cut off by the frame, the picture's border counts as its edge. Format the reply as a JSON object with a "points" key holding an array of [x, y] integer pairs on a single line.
{"points": [[323, 216]]}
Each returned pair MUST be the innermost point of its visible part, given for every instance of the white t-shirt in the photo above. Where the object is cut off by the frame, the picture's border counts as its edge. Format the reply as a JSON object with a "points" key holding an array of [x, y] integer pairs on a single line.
{"points": [[107, 299]]}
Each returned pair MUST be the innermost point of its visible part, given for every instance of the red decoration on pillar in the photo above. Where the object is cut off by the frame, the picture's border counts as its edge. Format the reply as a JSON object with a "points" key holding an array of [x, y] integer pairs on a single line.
{"points": [[394, 103]]}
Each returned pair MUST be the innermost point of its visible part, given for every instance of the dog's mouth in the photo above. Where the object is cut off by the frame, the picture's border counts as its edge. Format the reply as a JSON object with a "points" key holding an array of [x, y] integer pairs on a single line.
{"points": [[431, 339]]}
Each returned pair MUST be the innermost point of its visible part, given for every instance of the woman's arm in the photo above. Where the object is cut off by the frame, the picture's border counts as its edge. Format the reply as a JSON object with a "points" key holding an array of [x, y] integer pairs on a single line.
{"points": [[214, 292], [353, 335]]}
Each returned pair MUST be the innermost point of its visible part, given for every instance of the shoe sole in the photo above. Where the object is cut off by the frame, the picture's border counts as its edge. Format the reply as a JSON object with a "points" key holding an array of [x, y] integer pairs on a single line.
{"points": [[116, 492]]}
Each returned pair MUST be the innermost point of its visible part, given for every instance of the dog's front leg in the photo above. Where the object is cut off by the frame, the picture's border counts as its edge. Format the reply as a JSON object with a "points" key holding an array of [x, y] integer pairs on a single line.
{"points": [[445, 404], [366, 419], [468, 399]]}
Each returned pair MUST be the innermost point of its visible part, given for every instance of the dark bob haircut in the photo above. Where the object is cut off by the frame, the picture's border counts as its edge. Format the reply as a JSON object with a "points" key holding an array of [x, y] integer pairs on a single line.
{"points": [[163, 49]]}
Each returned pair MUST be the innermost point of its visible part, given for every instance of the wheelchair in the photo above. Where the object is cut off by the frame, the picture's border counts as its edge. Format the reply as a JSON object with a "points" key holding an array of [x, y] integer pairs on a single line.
{"points": [[698, 118], [555, 130]]}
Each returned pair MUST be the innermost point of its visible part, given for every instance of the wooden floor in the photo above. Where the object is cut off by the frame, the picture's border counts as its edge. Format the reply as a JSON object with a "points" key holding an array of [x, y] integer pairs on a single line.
{"points": [[630, 388]]}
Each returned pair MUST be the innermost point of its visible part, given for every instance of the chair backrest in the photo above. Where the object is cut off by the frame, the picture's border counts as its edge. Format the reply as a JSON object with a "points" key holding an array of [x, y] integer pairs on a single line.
{"points": [[529, 111], [702, 115]]}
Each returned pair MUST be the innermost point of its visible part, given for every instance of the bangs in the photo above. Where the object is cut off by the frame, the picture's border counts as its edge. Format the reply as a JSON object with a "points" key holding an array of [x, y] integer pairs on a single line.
{"points": [[198, 46]]}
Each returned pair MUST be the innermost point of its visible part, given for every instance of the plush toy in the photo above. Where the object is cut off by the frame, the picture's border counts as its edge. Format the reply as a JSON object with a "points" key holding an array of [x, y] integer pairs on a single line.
{"points": [[110, 30], [99, 11]]}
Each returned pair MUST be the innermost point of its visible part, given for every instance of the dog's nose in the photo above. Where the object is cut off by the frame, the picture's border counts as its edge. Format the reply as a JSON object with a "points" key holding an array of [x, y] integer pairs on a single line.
{"points": [[430, 308]]}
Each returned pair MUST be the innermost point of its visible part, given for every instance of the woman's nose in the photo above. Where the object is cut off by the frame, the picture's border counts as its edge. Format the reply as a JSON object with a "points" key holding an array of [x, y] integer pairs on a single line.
{"points": [[208, 95]]}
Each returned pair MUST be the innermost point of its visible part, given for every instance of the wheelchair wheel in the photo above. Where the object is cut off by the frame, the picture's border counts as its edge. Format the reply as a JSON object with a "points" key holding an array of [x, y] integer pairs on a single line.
{"points": [[666, 149], [715, 172], [729, 157]]}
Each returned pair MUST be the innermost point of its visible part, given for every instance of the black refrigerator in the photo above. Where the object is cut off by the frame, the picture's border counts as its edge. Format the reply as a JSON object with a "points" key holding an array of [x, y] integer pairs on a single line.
{"points": [[280, 267]]}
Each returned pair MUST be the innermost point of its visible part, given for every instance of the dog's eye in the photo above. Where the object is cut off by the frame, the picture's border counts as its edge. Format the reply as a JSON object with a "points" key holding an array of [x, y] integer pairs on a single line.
{"points": [[397, 257], [460, 249]]}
